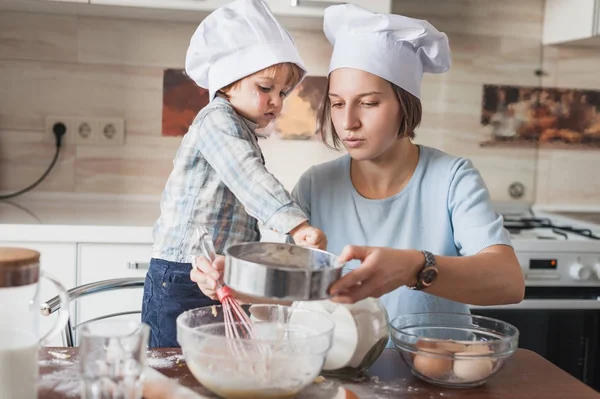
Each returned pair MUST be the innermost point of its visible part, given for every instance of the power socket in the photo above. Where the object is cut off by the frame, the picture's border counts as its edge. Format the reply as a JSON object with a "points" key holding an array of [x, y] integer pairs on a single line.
{"points": [[49, 123], [83, 131], [110, 131], [87, 130]]}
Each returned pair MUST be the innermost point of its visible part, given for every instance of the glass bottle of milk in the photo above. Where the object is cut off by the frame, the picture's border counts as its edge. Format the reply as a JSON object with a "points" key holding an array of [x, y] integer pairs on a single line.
{"points": [[19, 321]]}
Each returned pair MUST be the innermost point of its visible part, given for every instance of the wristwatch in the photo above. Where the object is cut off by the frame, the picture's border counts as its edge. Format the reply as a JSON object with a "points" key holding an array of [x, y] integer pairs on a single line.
{"points": [[428, 274]]}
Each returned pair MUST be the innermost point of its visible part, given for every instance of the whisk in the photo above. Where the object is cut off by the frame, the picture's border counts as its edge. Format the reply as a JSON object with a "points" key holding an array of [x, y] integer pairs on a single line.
{"points": [[237, 323]]}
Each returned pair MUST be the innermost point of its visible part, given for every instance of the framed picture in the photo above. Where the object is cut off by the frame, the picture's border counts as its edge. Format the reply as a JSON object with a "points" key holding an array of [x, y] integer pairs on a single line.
{"points": [[521, 116], [183, 99]]}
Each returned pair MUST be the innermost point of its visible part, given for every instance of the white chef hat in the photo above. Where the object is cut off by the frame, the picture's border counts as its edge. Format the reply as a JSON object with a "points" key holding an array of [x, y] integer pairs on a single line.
{"points": [[235, 41], [393, 47]]}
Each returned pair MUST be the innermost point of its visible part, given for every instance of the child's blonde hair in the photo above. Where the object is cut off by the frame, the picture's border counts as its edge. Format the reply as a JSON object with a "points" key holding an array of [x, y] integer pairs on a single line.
{"points": [[293, 72], [410, 108]]}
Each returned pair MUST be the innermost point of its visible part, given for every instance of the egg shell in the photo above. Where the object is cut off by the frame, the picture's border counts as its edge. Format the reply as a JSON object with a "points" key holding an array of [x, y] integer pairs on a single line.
{"points": [[451, 346], [447, 345], [480, 349], [472, 369], [433, 367], [425, 344], [344, 393]]}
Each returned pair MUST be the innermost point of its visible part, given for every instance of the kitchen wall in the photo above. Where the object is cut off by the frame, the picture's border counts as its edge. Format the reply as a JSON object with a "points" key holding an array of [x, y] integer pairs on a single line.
{"points": [[570, 176], [86, 66]]}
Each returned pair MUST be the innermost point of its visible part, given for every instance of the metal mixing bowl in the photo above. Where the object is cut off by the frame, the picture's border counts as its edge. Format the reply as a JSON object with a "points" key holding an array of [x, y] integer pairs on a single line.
{"points": [[286, 356], [453, 349], [281, 271]]}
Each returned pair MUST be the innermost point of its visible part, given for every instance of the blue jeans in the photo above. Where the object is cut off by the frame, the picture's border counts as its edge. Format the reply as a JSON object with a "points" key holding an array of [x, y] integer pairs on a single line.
{"points": [[168, 292]]}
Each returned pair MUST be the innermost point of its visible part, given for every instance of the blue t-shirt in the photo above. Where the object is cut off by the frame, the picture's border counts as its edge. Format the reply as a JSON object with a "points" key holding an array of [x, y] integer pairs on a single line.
{"points": [[445, 208]]}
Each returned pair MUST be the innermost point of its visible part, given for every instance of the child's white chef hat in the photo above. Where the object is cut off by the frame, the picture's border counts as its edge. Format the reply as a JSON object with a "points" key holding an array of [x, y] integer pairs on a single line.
{"points": [[235, 41], [393, 47]]}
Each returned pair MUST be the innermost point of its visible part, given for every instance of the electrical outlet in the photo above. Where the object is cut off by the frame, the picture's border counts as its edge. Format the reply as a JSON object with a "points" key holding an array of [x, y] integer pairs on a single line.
{"points": [[83, 131], [87, 130], [49, 123], [110, 131]]}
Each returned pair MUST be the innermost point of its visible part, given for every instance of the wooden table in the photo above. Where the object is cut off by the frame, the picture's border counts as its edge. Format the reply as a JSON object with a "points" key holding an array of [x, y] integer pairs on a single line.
{"points": [[525, 375]]}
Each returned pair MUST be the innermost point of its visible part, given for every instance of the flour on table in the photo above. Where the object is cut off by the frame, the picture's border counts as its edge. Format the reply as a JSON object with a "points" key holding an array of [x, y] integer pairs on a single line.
{"points": [[164, 362], [64, 380]]}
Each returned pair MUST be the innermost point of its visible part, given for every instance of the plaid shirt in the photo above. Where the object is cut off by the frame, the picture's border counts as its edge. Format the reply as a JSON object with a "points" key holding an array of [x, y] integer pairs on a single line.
{"points": [[219, 180]]}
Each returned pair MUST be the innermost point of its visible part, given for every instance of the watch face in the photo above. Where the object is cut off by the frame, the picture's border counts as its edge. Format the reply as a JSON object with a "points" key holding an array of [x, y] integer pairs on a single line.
{"points": [[428, 276]]}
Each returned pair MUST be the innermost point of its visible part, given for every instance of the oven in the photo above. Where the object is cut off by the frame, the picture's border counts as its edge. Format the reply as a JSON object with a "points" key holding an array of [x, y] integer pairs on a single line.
{"points": [[564, 331], [560, 315]]}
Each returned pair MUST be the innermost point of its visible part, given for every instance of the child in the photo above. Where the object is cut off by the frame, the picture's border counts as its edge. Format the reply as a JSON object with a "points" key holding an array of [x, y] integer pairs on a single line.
{"points": [[249, 63]]}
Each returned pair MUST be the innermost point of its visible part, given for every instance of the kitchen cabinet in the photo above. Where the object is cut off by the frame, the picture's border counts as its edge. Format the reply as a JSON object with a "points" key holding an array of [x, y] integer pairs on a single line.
{"points": [[300, 8], [77, 255], [294, 14], [315, 8], [67, 1], [107, 261], [188, 5], [58, 260], [574, 22]]}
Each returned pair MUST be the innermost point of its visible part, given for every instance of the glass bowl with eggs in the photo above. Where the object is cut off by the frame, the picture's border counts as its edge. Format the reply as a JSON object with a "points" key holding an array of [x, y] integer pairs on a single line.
{"points": [[453, 349], [284, 356]]}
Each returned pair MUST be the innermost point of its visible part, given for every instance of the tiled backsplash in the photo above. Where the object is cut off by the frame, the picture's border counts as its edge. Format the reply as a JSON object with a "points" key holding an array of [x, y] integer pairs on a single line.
{"points": [[84, 66]]}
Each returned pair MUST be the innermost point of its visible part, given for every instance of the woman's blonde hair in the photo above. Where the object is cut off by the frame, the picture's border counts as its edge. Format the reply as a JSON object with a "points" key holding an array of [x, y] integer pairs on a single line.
{"points": [[410, 108], [293, 72]]}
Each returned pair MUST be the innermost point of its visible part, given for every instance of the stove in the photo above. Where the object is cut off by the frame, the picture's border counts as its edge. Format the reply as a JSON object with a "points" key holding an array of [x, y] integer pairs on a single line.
{"points": [[559, 318], [553, 249]]}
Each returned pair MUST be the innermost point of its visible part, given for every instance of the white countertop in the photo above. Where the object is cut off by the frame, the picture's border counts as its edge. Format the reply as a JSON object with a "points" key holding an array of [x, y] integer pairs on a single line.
{"points": [[53, 217], [47, 217], [79, 218]]}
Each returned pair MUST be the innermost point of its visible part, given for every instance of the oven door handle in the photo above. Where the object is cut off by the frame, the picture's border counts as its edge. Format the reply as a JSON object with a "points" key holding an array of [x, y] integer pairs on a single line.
{"points": [[546, 304]]}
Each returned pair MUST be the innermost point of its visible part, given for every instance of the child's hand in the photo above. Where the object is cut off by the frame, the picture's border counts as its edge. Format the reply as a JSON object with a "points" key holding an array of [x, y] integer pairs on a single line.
{"points": [[309, 236], [208, 276]]}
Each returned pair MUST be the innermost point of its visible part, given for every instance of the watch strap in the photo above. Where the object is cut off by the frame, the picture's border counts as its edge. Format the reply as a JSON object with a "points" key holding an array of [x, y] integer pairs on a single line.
{"points": [[428, 264]]}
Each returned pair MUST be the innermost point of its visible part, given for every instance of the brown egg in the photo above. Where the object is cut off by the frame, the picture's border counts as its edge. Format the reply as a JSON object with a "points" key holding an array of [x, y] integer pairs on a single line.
{"points": [[447, 345], [433, 367], [472, 369], [451, 346], [481, 349], [424, 344]]}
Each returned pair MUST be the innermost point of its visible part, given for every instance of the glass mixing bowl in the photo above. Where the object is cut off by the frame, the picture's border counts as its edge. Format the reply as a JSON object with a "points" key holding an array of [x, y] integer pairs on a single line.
{"points": [[286, 355], [453, 349]]}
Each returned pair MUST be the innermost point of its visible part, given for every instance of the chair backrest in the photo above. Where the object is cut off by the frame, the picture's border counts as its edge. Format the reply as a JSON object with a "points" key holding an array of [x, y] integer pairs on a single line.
{"points": [[53, 305]]}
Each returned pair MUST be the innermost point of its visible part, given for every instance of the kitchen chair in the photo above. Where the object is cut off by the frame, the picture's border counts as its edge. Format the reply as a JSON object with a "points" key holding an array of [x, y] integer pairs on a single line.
{"points": [[51, 306]]}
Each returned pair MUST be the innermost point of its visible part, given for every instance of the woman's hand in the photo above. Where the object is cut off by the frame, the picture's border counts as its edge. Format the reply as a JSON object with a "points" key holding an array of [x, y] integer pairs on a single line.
{"points": [[208, 275], [382, 270]]}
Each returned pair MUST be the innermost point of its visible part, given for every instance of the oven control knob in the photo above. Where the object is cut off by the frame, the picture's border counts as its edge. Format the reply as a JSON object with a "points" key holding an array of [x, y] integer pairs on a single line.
{"points": [[597, 270], [580, 272]]}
